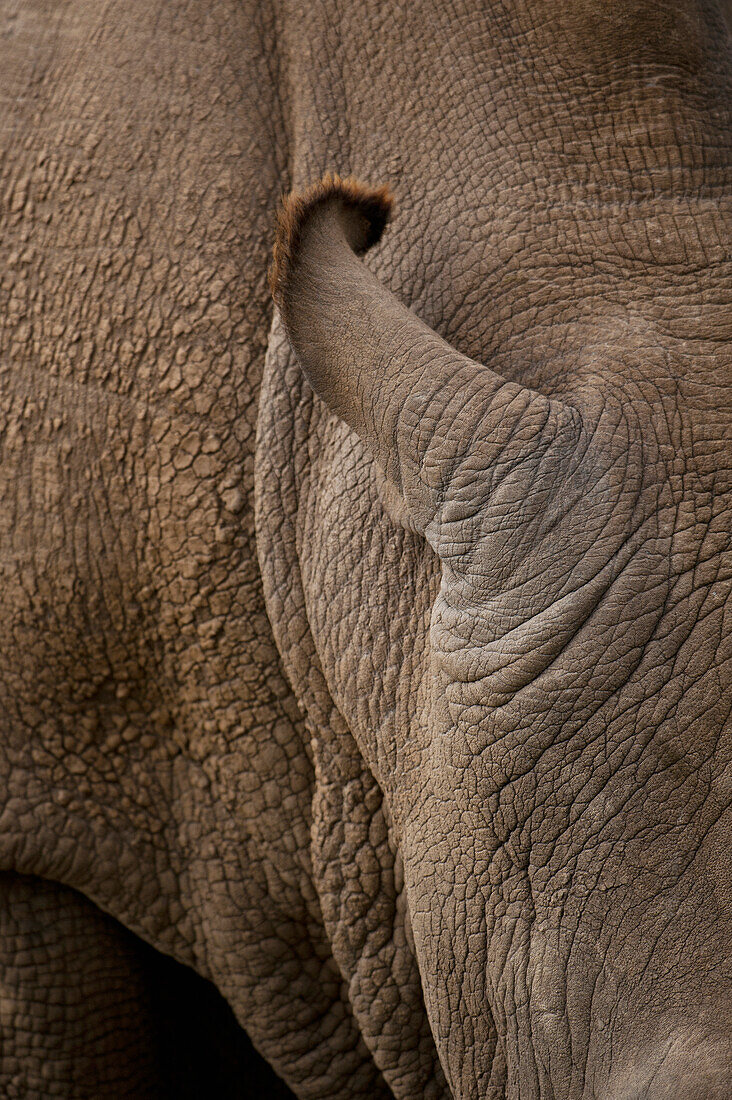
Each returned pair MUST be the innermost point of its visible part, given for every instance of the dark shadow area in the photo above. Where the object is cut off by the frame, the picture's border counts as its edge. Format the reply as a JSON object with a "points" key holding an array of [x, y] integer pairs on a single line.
{"points": [[92, 1012], [204, 1051]]}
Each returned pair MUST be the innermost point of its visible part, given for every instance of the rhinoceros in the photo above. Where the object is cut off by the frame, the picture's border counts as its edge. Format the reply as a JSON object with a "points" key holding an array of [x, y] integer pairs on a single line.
{"points": [[365, 665]]}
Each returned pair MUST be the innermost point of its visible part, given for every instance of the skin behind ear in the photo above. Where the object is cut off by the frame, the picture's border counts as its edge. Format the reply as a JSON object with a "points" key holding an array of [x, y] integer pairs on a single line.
{"points": [[428, 414]]}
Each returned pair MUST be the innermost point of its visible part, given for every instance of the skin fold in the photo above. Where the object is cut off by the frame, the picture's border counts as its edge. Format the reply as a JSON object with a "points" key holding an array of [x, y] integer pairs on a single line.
{"points": [[367, 657]]}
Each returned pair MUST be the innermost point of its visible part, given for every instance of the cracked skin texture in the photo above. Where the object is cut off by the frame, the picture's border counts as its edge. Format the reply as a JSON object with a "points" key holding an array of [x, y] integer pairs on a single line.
{"points": [[425, 772]]}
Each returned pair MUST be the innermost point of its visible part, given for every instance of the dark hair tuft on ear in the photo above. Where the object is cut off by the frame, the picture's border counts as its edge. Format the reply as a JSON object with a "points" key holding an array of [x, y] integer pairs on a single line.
{"points": [[374, 206]]}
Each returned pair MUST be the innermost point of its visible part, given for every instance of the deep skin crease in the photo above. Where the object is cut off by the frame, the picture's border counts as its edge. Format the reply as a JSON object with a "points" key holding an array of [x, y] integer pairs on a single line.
{"points": [[369, 657]]}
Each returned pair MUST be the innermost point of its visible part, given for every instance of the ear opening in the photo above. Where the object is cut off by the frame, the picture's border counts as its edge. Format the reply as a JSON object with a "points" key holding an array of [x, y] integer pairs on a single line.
{"points": [[417, 404], [363, 213]]}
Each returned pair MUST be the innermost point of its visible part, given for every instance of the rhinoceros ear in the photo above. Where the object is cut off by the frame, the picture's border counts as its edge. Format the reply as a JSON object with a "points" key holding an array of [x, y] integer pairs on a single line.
{"points": [[428, 414]]}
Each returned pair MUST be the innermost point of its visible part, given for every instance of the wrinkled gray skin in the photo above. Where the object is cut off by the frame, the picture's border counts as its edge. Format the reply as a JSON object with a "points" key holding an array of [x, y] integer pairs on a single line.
{"points": [[425, 768]]}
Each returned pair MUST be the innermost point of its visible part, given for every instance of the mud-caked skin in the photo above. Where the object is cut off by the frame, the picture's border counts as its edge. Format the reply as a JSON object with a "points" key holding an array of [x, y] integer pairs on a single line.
{"points": [[369, 655]]}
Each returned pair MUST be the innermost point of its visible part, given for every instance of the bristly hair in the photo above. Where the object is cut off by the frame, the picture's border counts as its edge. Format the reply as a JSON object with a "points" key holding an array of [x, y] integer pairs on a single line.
{"points": [[374, 204]]}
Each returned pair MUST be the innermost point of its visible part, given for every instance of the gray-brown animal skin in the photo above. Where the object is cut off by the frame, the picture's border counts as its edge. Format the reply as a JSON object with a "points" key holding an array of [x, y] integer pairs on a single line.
{"points": [[406, 724]]}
